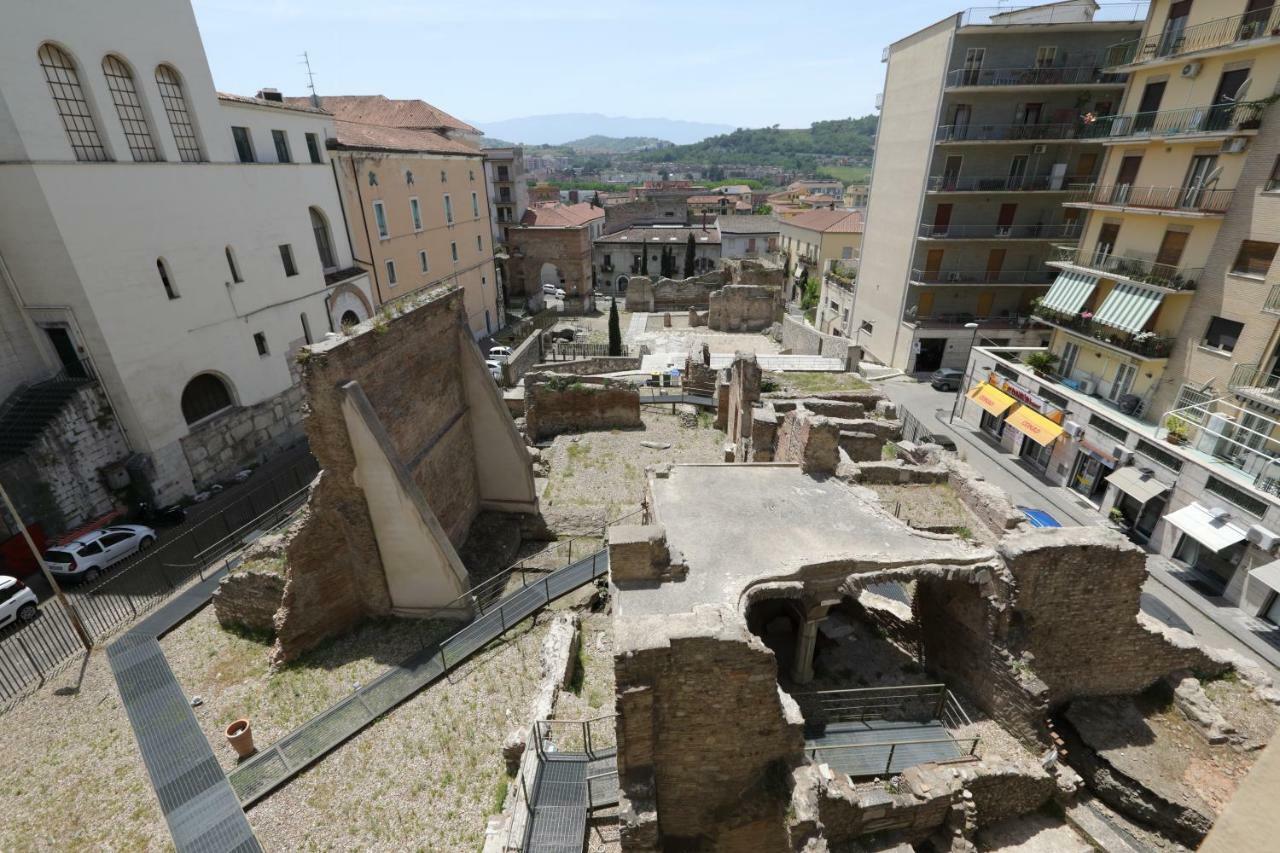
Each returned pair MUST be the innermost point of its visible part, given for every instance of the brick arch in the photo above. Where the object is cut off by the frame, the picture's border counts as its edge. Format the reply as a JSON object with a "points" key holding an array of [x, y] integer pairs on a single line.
{"points": [[347, 297]]}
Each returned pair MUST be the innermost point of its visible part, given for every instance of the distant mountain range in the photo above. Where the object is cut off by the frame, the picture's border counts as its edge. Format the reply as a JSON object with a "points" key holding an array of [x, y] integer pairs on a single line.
{"points": [[564, 128]]}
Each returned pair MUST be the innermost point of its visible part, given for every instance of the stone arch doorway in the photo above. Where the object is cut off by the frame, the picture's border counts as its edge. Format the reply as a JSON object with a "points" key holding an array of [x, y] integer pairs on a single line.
{"points": [[549, 273], [620, 284], [778, 623]]}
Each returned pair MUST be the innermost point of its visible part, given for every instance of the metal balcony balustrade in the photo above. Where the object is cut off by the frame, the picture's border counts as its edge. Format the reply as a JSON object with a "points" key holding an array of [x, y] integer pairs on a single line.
{"points": [[979, 16], [960, 319], [1003, 232], [1251, 378], [1083, 75], [1004, 183], [1144, 344], [1136, 269], [1006, 132], [1215, 118], [1039, 275], [1221, 32], [1191, 199]]}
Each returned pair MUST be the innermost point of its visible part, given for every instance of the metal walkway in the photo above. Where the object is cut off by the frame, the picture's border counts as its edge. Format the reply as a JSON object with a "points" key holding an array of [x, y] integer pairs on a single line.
{"points": [[300, 748], [199, 805], [880, 747], [577, 772]]}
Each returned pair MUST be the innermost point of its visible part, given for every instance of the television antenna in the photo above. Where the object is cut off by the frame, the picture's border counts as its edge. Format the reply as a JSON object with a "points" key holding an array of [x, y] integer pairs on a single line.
{"points": [[311, 79]]}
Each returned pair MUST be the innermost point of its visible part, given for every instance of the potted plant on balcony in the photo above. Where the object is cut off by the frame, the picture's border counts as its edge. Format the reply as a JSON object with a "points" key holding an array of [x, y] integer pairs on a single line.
{"points": [[1041, 361], [1177, 430]]}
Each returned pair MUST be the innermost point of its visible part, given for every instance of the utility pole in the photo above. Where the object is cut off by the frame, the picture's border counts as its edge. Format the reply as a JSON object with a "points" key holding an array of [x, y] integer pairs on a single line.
{"points": [[57, 590]]}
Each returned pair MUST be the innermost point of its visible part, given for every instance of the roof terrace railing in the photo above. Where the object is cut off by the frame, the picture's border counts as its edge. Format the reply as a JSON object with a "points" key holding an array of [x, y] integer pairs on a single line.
{"points": [[1192, 199], [1132, 267], [1006, 132], [1004, 183], [1038, 275], [1059, 13], [1005, 232], [1084, 75]]}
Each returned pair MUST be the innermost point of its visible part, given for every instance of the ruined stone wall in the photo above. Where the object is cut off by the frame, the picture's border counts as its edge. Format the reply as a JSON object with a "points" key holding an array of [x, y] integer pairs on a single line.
{"points": [[799, 338], [667, 294], [848, 811], [743, 392], [590, 366], [989, 503], [243, 436], [522, 359], [743, 308], [756, 272], [249, 600], [555, 403], [1004, 791], [812, 441]]}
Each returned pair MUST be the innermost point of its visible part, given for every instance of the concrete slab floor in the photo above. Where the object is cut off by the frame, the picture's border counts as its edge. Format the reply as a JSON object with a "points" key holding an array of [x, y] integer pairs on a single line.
{"points": [[1032, 833]]}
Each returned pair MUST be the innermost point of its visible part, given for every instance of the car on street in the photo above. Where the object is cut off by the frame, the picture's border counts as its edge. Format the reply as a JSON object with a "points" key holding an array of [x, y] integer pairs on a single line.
{"points": [[1038, 517], [552, 290], [17, 602], [499, 354], [86, 557], [943, 441], [946, 379]]}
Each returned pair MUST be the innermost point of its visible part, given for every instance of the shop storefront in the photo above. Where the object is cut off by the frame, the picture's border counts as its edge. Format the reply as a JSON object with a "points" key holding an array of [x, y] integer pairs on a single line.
{"points": [[1140, 499], [1031, 433], [1210, 542], [1039, 433], [994, 404], [1090, 471]]}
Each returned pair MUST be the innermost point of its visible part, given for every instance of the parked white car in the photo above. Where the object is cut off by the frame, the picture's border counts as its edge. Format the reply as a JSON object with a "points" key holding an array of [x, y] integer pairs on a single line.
{"points": [[87, 557], [495, 369], [552, 290], [17, 603], [499, 354]]}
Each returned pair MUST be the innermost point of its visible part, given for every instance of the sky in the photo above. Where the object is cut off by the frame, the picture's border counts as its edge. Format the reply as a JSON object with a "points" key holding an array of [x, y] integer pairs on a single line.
{"points": [[737, 62]]}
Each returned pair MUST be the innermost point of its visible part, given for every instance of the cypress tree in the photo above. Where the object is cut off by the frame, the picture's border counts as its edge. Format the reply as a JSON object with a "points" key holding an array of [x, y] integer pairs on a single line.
{"points": [[644, 258], [690, 256], [615, 328]]}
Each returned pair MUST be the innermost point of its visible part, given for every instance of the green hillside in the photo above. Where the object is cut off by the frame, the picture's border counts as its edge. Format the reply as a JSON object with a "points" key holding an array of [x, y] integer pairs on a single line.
{"points": [[613, 145], [774, 146]]}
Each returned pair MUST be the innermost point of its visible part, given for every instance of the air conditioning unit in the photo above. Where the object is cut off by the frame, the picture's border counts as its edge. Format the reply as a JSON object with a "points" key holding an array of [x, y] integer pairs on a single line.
{"points": [[1262, 537], [1191, 69], [1085, 386], [1123, 454], [1039, 149], [1073, 429], [1235, 145]]}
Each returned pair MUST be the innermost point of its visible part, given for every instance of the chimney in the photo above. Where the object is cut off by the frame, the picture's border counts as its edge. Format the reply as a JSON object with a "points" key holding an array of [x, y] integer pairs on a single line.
{"points": [[271, 95]]}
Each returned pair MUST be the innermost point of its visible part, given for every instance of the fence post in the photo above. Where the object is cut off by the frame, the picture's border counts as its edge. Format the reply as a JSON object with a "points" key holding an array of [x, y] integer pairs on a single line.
{"points": [[889, 764], [570, 563], [942, 702], [30, 659]]}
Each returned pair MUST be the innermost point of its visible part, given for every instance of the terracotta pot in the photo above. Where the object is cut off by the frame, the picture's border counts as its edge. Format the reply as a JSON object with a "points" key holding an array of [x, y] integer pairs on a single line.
{"points": [[240, 736]]}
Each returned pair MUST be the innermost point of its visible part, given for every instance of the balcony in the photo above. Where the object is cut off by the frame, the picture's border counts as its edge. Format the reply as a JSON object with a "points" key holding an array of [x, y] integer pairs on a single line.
{"points": [[1138, 270], [933, 231], [952, 133], [1141, 344], [1220, 119], [1051, 13], [1085, 75], [1249, 380], [960, 320], [1004, 183], [1039, 276], [1235, 31], [1195, 200]]}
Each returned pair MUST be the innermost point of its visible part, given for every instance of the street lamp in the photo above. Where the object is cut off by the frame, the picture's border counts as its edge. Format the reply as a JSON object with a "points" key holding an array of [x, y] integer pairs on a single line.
{"points": [[960, 389]]}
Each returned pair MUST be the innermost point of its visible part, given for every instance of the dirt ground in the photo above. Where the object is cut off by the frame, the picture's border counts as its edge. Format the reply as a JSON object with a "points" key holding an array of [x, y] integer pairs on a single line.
{"points": [[1032, 833], [933, 507]]}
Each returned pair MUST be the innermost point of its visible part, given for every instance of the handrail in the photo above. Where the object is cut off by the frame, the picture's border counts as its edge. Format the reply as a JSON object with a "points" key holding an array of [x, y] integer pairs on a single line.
{"points": [[900, 687], [1032, 76], [1220, 32], [1210, 118], [1130, 267], [1004, 183], [879, 743], [1040, 275], [1011, 232], [972, 132], [1051, 13], [1194, 198]]}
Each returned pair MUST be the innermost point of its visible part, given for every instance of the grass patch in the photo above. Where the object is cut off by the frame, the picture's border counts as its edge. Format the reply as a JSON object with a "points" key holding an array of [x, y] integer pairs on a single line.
{"points": [[500, 794], [815, 382], [847, 174]]}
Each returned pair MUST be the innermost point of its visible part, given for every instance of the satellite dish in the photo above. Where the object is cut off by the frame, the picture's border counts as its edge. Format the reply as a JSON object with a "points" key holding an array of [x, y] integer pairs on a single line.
{"points": [[1241, 91], [1212, 177]]}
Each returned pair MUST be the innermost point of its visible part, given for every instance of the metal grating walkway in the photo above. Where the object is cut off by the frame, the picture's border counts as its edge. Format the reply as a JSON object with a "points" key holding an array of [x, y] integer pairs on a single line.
{"points": [[297, 750], [562, 799], [199, 805], [881, 747]]}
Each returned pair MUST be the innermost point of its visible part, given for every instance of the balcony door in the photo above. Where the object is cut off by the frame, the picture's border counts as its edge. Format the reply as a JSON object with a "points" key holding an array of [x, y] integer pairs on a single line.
{"points": [[951, 172], [1174, 26], [986, 299], [1202, 174], [973, 58], [995, 260], [1070, 354], [1028, 113], [1226, 98], [1170, 252], [1004, 220], [1106, 244], [1148, 106], [941, 220], [1125, 177], [933, 264], [960, 121], [924, 305], [1086, 165], [1123, 382], [1257, 14], [1017, 172]]}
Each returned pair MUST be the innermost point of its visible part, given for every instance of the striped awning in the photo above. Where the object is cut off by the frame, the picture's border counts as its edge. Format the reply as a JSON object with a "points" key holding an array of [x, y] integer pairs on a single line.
{"points": [[1069, 292], [1128, 307]]}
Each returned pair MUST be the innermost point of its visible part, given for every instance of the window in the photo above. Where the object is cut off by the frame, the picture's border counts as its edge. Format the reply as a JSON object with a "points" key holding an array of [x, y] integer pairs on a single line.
{"points": [[281, 142], [166, 279], [313, 148], [415, 212], [324, 243], [90, 550], [175, 108], [1239, 497], [453, 250], [205, 395], [503, 173], [471, 175], [1254, 258], [1187, 397], [1045, 56], [1159, 455], [448, 210], [286, 258], [380, 219], [868, 327], [373, 179], [479, 243], [73, 109], [475, 205], [846, 253], [444, 177], [244, 145], [260, 341], [1106, 427], [124, 94], [233, 266], [422, 260], [391, 273], [1222, 334]]}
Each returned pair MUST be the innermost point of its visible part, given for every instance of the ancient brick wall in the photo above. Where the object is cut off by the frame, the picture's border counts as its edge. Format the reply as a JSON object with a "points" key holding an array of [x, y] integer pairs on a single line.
{"points": [[555, 403], [568, 249], [249, 599], [522, 360], [590, 366], [811, 441], [667, 294], [743, 308], [743, 391]]}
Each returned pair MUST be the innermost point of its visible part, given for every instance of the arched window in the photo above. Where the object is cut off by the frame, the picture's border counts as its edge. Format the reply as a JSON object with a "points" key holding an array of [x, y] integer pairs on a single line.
{"points": [[124, 94], [349, 318], [233, 266], [324, 245], [205, 395], [166, 279], [73, 109], [175, 107]]}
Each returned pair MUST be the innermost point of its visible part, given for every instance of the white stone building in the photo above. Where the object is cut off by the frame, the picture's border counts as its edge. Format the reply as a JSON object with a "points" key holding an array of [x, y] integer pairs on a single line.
{"points": [[175, 244]]}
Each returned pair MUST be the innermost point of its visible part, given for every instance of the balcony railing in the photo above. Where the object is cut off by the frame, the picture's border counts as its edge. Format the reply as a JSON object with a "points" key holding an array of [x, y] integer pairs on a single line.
{"points": [[1039, 275], [1273, 299], [1132, 267], [1218, 118], [1051, 13], [1005, 183], [1002, 232], [1192, 199], [1144, 344], [1237, 29], [1084, 75], [1249, 377], [1005, 132], [958, 320]]}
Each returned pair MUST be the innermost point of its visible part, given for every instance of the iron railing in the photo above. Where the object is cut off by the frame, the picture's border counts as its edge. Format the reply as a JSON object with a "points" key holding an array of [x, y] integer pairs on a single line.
{"points": [[1059, 231], [1039, 275], [1216, 118], [960, 320], [1004, 183], [968, 746], [1060, 13], [1144, 344], [1134, 268], [594, 738], [1083, 75], [1006, 132], [1196, 199], [1221, 32]]}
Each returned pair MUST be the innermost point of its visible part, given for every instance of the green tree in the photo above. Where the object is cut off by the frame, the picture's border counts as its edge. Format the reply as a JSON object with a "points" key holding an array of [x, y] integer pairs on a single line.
{"points": [[690, 256], [644, 259], [615, 328]]}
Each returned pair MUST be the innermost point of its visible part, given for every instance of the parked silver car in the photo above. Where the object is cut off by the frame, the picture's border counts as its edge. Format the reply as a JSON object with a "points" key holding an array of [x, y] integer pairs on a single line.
{"points": [[87, 557], [946, 379]]}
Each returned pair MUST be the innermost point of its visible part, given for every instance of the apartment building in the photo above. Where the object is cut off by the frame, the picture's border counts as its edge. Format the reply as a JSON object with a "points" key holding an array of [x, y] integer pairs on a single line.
{"points": [[508, 189], [170, 245], [1163, 382], [814, 239], [413, 187], [985, 126]]}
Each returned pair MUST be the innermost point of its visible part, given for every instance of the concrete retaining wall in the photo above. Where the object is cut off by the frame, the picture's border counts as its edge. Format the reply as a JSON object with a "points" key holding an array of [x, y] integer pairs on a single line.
{"points": [[590, 366], [801, 339]]}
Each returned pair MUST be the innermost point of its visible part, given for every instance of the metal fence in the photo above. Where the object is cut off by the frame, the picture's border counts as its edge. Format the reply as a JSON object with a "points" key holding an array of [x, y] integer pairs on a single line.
{"points": [[566, 350], [912, 428], [32, 653]]}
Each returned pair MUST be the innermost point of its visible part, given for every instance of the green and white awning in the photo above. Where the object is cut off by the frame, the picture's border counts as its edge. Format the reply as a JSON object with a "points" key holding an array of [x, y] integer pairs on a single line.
{"points": [[1069, 292], [1128, 307]]}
